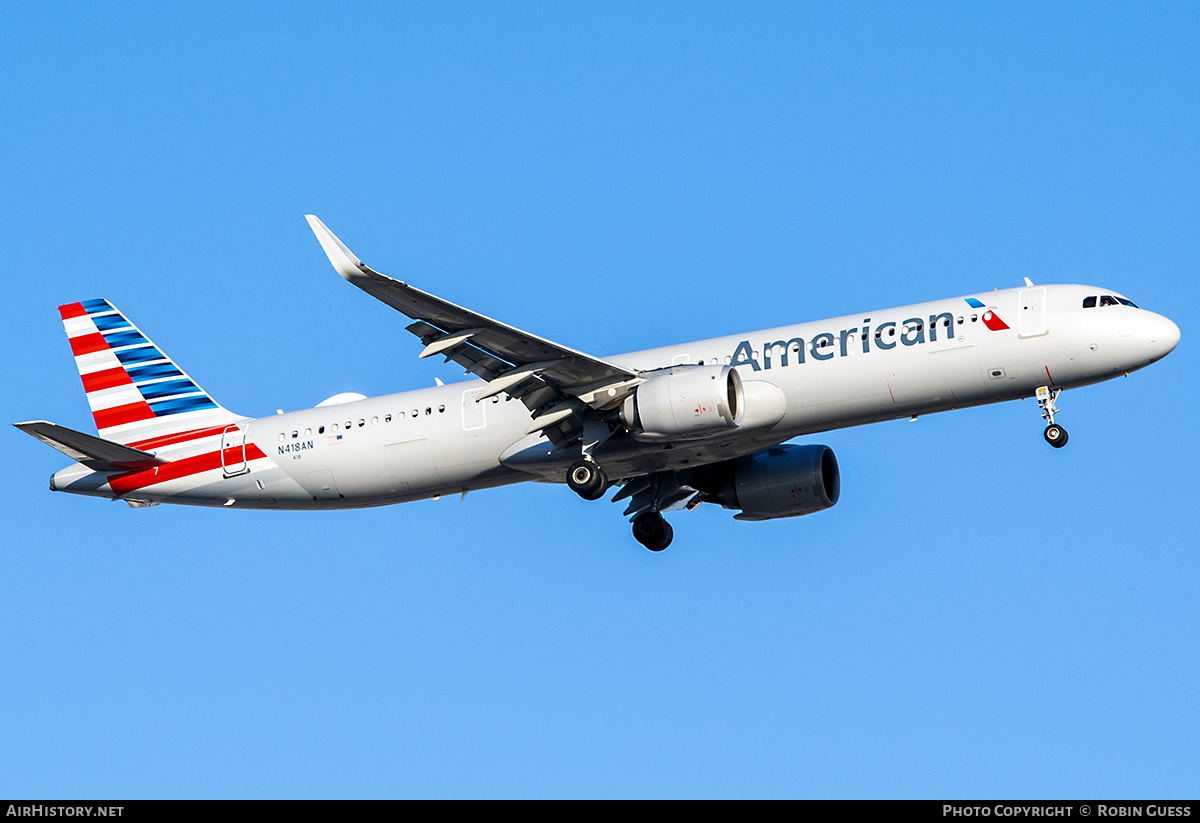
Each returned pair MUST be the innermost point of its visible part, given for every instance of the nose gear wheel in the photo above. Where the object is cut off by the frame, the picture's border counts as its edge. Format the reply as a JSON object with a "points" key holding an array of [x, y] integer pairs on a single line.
{"points": [[1055, 434]]}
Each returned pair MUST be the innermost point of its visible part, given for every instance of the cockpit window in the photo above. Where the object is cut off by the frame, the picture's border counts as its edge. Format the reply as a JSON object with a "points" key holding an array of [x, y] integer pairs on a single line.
{"points": [[1107, 300]]}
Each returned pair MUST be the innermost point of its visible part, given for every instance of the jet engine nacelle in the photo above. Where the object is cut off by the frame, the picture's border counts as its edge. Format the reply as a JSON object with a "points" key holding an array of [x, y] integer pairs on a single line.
{"points": [[685, 401], [784, 481]]}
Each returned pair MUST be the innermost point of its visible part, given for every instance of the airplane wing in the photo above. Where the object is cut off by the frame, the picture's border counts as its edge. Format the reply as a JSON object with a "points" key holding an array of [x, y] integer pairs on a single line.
{"points": [[94, 452], [558, 385]]}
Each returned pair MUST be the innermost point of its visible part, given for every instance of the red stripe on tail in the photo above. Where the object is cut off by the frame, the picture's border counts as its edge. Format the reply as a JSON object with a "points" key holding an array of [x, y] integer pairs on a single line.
{"points": [[88, 343], [178, 437], [106, 379], [175, 470], [72, 310], [119, 415]]}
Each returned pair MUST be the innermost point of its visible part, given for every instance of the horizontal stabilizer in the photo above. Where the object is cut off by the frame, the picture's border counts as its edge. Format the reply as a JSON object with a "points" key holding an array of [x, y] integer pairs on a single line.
{"points": [[94, 452]]}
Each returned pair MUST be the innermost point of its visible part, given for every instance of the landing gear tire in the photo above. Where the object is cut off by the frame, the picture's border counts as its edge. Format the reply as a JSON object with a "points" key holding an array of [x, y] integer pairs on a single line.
{"points": [[652, 531], [1055, 435], [587, 480]]}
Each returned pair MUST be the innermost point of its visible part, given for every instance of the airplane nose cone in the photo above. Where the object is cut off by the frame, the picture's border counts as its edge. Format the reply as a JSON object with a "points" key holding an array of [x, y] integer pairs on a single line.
{"points": [[1164, 336]]}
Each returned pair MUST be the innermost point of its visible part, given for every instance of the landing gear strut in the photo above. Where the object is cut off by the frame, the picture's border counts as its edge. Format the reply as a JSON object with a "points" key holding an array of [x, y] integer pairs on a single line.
{"points": [[1055, 434], [587, 480], [652, 531]]}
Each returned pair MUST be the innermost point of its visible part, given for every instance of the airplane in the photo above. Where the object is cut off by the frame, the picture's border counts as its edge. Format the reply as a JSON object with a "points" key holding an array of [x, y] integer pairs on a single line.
{"points": [[671, 428]]}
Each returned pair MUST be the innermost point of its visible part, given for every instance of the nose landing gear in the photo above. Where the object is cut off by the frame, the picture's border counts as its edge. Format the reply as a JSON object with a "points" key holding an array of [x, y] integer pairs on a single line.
{"points": [[1055, 434]]}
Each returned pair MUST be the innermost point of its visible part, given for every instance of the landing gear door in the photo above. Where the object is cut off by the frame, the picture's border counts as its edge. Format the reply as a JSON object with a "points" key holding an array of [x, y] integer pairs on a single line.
{"points": [[233, 451], [1032, 322]]}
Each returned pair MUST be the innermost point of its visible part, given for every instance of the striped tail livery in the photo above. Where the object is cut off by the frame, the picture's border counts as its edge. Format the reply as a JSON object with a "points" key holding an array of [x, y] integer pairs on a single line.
{"points": [[134, 390]]}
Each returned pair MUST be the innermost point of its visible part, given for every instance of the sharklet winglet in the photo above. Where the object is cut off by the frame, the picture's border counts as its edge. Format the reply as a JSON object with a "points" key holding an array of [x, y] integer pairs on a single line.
{"points": [[343, 260]]}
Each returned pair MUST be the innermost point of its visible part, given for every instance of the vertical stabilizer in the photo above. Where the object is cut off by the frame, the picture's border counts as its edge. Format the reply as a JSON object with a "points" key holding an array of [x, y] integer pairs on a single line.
{"points": [[136, 393]]}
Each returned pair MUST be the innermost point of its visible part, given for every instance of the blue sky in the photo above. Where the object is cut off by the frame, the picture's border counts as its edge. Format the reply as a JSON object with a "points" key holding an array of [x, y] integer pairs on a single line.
{"points": [[980, 615]]}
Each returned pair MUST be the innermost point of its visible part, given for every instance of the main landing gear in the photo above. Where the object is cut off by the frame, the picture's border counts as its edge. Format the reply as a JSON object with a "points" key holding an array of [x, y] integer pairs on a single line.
{"points": [[587, 480], [1055, 434], [652, 531], [649, 528]]}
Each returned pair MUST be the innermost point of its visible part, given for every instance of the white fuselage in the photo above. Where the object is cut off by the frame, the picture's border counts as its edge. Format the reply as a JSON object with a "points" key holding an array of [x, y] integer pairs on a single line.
{"points": [[799, 379]]}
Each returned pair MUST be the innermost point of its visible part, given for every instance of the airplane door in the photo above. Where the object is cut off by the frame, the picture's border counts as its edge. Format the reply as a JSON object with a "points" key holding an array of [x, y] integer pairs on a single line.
{"points": [[233, 451], [1032, 321]]}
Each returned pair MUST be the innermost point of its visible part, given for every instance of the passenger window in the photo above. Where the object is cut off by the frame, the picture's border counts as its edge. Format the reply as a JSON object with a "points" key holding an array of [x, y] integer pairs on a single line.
{"points": [[960, 320], [387, 418], [495, 398], [429, 409], [374, 420], [333, 428], [361, 422], [295, 435], [282, 437], [414, 412], [308, 432], [321, 430], [974, 317], [441, 409], [1089, 302], [349, 424]]}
